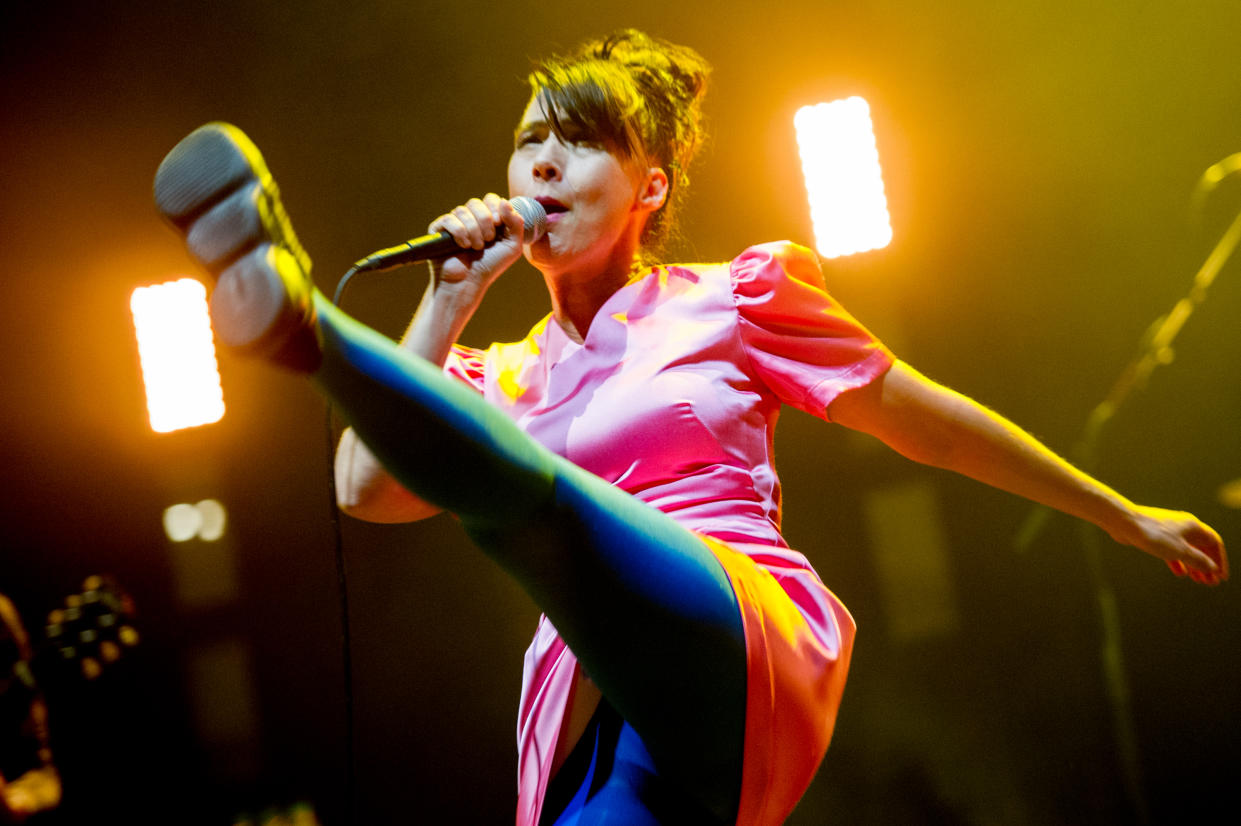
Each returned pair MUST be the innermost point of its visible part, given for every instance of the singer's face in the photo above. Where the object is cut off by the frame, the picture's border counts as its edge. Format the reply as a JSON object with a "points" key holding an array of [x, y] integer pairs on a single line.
{"points": [[589, 190]]}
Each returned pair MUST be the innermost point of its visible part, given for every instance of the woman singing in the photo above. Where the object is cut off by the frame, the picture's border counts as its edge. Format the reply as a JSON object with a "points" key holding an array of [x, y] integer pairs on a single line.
{"points": [[617, 461]]}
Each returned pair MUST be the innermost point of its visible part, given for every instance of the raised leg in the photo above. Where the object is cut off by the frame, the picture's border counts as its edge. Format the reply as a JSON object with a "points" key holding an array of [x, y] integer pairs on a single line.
{"points": [[645, 606]]}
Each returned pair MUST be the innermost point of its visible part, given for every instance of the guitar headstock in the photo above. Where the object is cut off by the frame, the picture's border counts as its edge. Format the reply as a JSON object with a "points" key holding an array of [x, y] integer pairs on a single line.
{"points": [[95, 627]]}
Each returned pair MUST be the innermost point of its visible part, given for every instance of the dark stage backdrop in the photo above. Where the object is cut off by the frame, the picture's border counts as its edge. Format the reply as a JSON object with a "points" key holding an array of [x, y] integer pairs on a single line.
{"points": [[1039, 160]]}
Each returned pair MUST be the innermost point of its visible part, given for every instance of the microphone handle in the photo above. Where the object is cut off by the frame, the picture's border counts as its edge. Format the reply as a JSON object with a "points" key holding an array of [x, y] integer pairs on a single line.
{"points": [[435, 245], [441, 244]]}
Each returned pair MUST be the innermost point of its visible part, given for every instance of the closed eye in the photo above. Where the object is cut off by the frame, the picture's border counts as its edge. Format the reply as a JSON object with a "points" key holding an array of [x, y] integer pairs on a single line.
{"points": [[531, 132], [526, 139]]}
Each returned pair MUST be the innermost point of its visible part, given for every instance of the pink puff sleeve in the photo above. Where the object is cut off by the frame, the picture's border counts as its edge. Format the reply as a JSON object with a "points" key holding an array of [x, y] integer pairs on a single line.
{"points": [[466, 364], [802, 344]]}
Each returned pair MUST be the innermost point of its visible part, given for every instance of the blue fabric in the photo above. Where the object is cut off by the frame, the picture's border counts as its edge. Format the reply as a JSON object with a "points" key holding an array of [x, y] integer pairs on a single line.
{"points": [[618, 785]]}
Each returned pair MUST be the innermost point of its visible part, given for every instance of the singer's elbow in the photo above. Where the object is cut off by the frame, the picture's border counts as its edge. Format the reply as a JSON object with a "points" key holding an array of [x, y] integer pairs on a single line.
{"points": [[365, 491], [390, 505]]}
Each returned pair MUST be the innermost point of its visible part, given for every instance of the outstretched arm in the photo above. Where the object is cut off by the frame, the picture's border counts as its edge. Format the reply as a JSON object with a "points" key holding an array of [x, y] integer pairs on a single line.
{"points": [[929, 423]]}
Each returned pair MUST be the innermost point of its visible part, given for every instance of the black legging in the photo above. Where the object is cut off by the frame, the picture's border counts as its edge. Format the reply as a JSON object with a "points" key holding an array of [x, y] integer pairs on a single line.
{"points": [[647, 609]]}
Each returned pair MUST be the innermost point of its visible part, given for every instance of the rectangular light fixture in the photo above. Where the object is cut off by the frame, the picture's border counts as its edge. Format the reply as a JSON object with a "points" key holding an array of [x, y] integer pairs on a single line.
{"points": [[177, 352], [840, 161]]}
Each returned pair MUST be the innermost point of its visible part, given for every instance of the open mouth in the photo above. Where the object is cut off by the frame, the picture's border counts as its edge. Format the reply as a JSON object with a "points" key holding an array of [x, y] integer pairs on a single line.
{"points": [[552, 206]]}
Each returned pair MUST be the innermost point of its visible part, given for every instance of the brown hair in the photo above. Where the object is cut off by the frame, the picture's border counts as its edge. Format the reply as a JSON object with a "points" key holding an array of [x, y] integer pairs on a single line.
{"points": [[640, 94]]}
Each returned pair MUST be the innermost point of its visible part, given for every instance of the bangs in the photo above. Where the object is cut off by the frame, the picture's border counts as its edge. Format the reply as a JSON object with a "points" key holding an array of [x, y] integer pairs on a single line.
{"points": [[591, 100], [635, 95]]}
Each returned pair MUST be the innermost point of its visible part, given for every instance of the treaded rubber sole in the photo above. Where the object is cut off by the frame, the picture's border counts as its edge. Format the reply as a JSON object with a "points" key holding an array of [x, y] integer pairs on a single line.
{"points": [[215, 188], [204, 168]]}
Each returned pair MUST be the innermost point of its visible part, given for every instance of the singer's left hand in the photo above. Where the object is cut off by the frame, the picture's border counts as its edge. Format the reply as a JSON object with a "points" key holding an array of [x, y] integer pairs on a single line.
{"points": [[1188, 546]]}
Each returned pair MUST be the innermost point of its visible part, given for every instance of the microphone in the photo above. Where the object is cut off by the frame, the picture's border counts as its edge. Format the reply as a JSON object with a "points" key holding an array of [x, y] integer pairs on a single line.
{"points": [[441, 244]]}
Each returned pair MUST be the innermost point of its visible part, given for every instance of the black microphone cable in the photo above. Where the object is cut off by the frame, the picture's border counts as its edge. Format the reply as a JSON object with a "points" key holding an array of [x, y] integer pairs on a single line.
{"points": [[342, 592], [418, 249], [342, 582]]}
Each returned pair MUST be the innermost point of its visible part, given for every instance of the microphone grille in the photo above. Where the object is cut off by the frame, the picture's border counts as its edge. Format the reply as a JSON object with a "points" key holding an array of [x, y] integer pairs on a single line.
{"points": [[534, 216]]}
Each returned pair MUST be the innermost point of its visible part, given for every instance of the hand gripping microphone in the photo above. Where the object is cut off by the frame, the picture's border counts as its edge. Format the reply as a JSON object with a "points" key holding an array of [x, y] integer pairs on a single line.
{"points": [[442, 245]]}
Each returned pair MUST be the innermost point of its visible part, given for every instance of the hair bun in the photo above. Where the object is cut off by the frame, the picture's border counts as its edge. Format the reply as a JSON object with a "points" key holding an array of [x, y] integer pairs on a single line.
{"points": [[679, 69]]}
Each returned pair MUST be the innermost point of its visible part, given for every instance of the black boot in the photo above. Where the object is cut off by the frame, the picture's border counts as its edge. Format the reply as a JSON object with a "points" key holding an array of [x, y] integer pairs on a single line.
{"points": [[216, 190]]}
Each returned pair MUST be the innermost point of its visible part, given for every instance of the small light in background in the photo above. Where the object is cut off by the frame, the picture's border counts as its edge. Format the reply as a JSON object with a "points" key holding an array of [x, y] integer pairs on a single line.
{"points": [[202, 554], [841, 164], [181, 522], [1230, 494], [178, 355], [205, 520]]}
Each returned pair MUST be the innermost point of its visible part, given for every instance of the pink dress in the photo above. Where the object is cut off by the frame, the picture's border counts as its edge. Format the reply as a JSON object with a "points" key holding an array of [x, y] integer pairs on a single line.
{"points": [[674, 397]]}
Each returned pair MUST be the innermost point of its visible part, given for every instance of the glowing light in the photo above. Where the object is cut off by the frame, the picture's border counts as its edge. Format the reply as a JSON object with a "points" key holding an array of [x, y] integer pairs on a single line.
{"points": [[178, 355], [214, 520], [841, 165], [1230, 494], [206, 520], [181, 522]]}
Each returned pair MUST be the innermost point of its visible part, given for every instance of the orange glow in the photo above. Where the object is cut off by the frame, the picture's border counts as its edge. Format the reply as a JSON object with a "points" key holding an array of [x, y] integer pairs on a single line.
{"points": [[843, 180], [178, 355]]}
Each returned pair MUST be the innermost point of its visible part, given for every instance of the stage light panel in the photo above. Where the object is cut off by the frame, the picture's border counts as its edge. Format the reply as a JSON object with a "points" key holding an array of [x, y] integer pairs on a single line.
{"points": [[848, 208], [177, 352]]}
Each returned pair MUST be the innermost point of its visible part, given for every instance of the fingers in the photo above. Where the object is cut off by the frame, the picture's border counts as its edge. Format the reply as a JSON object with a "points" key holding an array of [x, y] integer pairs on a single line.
{"points": [[1218, 554], [1198, 576], [474, 224], [1203, 559], [1208, 558], [1188, 546], [513, 222]]}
